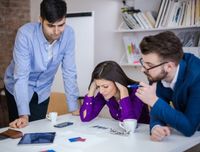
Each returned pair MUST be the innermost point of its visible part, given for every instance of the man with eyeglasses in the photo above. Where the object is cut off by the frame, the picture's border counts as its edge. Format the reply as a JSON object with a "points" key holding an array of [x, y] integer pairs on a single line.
{"points": [[174, 78]]}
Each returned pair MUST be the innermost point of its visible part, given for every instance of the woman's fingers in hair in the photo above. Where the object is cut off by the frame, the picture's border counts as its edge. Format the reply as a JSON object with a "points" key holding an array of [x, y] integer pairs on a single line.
{"points": [[92, 89]]}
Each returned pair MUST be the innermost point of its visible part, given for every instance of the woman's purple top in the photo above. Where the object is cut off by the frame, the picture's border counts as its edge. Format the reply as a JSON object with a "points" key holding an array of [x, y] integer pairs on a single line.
{"points": [[130, 107]]}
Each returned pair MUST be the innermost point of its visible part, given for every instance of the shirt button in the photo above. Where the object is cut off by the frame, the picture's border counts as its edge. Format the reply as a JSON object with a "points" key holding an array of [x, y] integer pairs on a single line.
{"points": [[87, 103], [120, 107], [90, 102]]}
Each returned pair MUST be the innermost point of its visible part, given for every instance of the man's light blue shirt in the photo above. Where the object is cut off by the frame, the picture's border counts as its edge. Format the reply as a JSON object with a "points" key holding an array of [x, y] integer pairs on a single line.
{"points": [[31, 71]]}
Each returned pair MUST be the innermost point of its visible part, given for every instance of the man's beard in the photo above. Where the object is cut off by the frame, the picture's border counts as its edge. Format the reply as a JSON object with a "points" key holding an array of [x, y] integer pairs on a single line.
{"points": [[160, 77]]}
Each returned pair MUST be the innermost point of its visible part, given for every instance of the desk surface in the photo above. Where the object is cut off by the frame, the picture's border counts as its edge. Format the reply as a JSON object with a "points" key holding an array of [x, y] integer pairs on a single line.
{"points": [[98, 140]]}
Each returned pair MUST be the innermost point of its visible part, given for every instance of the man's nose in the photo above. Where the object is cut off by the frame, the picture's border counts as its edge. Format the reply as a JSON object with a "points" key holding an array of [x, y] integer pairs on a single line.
{"points": [[143, 69], [56, 30]]}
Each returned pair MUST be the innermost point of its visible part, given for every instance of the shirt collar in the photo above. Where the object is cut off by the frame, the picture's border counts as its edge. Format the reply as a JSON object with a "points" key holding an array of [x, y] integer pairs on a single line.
{"points": [[172, 84]]}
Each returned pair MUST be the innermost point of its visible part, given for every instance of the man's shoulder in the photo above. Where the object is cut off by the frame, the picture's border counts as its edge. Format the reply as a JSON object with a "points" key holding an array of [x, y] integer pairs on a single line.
{"points": [[29, 27], [191, 59], [68, 30], [192, 67]]}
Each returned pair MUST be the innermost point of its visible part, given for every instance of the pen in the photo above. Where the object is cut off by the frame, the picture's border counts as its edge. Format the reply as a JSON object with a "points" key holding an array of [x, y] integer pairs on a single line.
{"points": [[133, 86]]}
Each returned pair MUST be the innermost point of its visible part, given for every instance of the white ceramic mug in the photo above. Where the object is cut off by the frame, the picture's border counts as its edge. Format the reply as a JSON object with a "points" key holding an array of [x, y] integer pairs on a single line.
{"points": [[129, 125], [52, 116]]}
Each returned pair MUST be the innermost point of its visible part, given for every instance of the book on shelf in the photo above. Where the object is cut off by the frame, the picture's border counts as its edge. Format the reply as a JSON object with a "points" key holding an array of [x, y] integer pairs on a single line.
{"points": [[164, 12], [192, 13], [189, 39], [181, 19], [197, 12], [167, 14], [145, 20], [132, 50], [150, 17], [160, 11], [127, 20]]}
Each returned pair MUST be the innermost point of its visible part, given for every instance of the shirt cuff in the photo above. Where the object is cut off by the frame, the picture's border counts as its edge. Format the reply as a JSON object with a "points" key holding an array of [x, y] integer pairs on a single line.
{"points": [[73, 106], [154, 127], [23, 110]]}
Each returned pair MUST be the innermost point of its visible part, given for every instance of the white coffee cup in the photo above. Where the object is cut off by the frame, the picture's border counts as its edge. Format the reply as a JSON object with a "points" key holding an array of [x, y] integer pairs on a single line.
{"points": [[52, 116], [129, 125]]}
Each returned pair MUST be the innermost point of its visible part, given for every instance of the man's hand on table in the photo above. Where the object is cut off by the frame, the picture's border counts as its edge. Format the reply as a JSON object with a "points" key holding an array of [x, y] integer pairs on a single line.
{"points": [[21, 122], [158, 133], [75, 113]]}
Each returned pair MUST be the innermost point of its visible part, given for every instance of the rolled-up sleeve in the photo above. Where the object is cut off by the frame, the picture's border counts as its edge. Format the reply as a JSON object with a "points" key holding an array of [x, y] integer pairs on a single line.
{"points": [[21, 57], [70, 74]]}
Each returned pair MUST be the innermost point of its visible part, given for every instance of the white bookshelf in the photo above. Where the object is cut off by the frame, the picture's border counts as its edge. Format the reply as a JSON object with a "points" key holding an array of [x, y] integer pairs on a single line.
{"points": [[124, 28], [140, 33]]}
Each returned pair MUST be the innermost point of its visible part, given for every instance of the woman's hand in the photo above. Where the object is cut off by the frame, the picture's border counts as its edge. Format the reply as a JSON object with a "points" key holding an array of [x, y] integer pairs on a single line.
{"points": [[123, 90], [92, 89]]}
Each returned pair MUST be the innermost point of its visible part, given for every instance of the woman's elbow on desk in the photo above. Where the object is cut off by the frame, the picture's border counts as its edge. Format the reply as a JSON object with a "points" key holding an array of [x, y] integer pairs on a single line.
{"points": [[83, 116]]}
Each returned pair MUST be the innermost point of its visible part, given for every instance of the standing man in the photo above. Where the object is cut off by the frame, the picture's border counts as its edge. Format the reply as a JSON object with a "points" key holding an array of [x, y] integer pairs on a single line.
{"points": [[38, 51], [175, 78]]}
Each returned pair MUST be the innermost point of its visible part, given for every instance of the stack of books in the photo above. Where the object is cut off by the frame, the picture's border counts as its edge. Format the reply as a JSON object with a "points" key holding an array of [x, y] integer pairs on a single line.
{"points": [[171, 13], [135, 19]]}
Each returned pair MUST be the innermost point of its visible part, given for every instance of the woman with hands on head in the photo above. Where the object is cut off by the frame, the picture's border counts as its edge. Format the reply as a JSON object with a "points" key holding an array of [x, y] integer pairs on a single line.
{"points": [[108, 86]]}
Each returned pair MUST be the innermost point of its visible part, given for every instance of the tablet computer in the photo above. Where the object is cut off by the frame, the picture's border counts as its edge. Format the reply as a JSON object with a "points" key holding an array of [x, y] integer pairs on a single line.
{"points": [[37, 138]]}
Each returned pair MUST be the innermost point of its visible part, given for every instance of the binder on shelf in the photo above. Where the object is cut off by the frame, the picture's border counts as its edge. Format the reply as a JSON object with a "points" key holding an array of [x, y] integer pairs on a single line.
{"points": [[150, 18], [160, 11], [168, 12], [132, 50], [163, 15]]}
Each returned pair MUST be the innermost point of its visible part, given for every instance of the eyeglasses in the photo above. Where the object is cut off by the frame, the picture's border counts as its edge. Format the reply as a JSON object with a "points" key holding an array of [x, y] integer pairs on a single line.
{"points": [[142, 63]]}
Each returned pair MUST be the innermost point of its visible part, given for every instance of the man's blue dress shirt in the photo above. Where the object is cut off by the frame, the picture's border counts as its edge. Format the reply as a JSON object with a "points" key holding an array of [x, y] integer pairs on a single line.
{"points": [[31, 70]]}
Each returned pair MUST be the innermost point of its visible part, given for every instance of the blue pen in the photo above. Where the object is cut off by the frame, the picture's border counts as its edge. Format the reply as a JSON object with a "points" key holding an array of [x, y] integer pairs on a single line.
{"points": [[133, 86]]}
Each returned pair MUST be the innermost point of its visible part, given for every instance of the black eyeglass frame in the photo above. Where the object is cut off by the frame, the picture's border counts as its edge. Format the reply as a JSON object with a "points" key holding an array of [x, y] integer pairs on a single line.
{"points": [[141, 62]]}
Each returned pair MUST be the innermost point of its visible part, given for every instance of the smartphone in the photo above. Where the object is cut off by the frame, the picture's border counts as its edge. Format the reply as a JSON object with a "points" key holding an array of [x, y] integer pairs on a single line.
{"points": [[63, 124]]}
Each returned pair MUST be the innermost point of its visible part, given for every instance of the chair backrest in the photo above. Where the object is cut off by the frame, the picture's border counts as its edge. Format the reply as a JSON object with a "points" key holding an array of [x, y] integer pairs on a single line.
{"points": [[57, 103]]}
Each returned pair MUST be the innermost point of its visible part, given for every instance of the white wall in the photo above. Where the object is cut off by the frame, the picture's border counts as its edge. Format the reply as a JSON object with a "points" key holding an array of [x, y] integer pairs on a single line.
{"points": [[108, 43]]}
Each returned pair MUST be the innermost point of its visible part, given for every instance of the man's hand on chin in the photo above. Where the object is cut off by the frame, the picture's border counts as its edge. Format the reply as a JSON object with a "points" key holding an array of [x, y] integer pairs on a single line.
{"points": [[21, 122]]}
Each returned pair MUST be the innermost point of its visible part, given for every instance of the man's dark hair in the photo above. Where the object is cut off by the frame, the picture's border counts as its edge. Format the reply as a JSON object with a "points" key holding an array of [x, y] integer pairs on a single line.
{"points": [[53, 10], [110, 70], [166, 45]]}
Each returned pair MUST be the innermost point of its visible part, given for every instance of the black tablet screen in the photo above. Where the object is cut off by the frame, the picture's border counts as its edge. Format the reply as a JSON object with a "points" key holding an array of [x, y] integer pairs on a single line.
{"points": [[37, 138]]}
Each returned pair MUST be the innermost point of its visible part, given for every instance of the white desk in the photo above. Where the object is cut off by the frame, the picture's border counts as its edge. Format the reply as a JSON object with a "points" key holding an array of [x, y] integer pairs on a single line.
{"points": [[98, 140]]}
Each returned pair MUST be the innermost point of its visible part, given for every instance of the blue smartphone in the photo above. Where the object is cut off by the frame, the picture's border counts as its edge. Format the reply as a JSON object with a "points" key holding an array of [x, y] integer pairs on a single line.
{"points": [[63, 124]]}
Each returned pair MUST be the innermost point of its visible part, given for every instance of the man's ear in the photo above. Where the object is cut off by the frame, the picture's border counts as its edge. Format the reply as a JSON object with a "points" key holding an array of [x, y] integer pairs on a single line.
{"points": [[40, 19], [170, 66]]}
